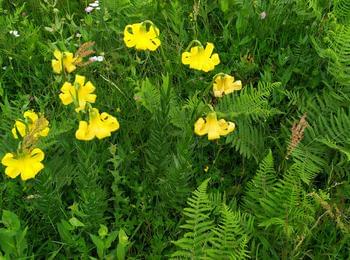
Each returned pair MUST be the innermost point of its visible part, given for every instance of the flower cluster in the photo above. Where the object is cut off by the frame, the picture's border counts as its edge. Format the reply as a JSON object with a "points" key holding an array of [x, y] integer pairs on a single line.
{"points": [[80, 93], [26, 161], [145, 36], [93, 6]]}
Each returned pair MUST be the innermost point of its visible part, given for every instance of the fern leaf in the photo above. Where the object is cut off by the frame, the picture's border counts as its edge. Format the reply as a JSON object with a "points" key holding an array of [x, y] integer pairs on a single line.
{"points": [[229, 238], [261, 184], [251, 102], [198, 226]]}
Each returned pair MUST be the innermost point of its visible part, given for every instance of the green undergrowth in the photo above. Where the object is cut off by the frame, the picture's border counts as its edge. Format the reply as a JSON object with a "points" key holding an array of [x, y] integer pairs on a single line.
{"points": [[154, 189]]}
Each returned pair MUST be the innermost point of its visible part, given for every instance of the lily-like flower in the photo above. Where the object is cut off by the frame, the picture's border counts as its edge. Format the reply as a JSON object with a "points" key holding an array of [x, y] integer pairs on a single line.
{"points": [[64, 60], [27, 165], [211, 126], [225, 84], [80, 93], [137, 35], [201, 59], [31, 123], [99, 125]]}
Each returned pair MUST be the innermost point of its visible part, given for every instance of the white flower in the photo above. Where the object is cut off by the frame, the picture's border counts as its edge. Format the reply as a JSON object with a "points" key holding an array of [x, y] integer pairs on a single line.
{"points": [[263, 15], [96, 58], [94, 5], [89, 9], [14, 33]]}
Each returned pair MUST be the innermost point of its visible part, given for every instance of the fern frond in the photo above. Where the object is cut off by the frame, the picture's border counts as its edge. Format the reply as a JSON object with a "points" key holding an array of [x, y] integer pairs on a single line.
{"points": [[250, 102], [261, 184], [308, 161], [198, 226], [342, 9], [228, 239], [338, 53], [248, 139]]}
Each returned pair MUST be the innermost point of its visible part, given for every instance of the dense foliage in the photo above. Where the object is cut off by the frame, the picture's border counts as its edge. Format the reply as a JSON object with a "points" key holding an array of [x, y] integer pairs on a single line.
{"points": [[277, 187]]}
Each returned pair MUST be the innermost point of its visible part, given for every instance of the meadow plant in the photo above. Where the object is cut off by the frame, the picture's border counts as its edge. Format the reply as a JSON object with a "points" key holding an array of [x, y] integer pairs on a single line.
{"points": [[175, 129]]}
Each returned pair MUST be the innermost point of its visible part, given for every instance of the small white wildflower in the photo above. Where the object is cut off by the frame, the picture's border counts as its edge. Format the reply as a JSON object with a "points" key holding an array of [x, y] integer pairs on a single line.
{"points": [[263, 15], [94, 5], [96, 58], [4, 68], [89, 9], [78, 35], [14, 33]]}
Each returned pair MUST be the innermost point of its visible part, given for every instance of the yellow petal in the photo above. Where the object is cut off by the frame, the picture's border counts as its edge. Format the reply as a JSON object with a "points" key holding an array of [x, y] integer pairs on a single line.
{"points": [[30, 171], [12, 172], [153, 44], [66, 98], [110, 121], [27, 172], [57, 54], [129, 38], [208, 49], [68, 57], [83, 132], [14, 133], [237, 85], [45, 132], [89, 87], [21, 129], [186, 58], [68, 93], [226, 127], [68, 62], [79, 80], [67, 88], [91, 98], [200, 127], [213, 126], [215, 59], [56, 66], [208, 66], [8, 159], [197, 58], [153, 32], [70, 68], [37, 155], [102, 132], [31, 115], [218, 87]]}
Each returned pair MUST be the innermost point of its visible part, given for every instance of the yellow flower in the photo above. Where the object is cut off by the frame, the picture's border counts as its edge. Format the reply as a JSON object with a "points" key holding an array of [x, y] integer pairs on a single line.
{"points": [[27, 165], [225, 84], [65, 60], [137, 35], [79, 94], [201, 59], [213, 127], [100, 126], [31, 123]]}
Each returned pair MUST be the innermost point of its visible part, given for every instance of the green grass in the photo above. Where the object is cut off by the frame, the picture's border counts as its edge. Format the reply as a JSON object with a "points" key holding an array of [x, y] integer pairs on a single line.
{"points": [[291, 62]]}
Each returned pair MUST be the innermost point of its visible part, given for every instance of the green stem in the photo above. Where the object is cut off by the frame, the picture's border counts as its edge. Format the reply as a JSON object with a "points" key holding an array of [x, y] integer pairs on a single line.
{"points": [[191, 44]]}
